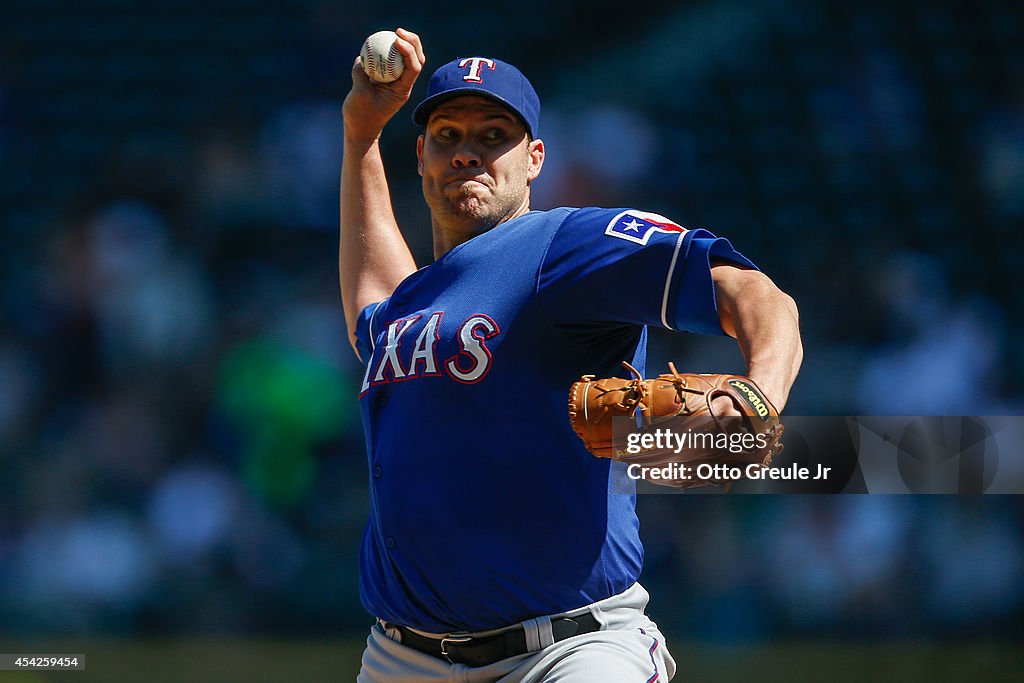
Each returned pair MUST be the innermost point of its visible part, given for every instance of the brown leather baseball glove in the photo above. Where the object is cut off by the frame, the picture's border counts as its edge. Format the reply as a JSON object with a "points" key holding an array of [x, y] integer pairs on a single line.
{"points": [[666, 424]]}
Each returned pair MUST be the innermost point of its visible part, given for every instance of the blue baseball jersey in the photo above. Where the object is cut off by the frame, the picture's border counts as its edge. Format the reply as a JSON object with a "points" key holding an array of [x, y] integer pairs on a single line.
{"points": [[485, 507]]}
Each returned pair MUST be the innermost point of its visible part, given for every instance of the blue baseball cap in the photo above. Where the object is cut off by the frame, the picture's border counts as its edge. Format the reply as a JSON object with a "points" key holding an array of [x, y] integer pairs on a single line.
{"points": [[483, 76]]}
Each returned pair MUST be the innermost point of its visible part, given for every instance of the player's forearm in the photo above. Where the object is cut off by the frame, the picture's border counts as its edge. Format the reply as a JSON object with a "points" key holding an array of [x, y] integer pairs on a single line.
{"points": [[770, 341], [373, 257], [765, 322]]}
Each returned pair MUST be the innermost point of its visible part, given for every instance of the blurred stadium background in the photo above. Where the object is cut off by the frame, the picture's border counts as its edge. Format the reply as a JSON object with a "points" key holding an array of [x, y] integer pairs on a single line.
{"points": [[182, 469]]}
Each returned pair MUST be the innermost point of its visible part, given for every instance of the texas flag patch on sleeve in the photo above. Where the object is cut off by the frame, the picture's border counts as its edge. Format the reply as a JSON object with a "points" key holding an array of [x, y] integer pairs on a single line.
{"points": [[638, 226]]}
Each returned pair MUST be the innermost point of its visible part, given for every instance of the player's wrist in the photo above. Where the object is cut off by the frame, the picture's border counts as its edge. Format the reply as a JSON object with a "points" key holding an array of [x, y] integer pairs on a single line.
{"points": [[774, 391], [360, 128], [360, 137]]}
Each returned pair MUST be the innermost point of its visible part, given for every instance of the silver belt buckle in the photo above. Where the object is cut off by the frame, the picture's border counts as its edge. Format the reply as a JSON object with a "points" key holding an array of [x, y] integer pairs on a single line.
{"points": [[453, 638]]}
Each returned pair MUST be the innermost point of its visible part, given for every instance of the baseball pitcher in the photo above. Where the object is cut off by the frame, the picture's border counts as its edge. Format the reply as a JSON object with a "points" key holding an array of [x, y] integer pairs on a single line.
{"points": [[498, 546]]}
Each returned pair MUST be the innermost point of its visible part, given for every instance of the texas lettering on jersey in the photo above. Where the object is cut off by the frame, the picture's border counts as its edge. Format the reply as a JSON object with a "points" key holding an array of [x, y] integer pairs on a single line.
{"points": [[400, 358]]}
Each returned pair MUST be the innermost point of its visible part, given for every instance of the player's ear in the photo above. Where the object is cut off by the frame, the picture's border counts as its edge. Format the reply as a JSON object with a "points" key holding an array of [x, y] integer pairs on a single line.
{"points": [[419, 154], [536, 152]]}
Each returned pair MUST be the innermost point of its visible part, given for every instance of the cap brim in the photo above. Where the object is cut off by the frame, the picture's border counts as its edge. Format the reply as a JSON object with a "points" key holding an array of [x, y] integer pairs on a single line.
{"points": [[423, 109]]}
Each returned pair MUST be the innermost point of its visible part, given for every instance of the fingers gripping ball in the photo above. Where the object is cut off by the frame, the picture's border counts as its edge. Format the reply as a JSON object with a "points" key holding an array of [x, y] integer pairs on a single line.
{"points": [[681, 401], [381, 60]]}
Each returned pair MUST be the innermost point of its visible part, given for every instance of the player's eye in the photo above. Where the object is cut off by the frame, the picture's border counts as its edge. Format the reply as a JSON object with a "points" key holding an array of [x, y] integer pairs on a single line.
{"points": [[446, 133], [494, 135]]}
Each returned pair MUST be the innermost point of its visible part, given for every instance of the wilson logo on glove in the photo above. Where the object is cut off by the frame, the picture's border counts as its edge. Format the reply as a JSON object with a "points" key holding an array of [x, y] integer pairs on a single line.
{"points": [[756, 401]]}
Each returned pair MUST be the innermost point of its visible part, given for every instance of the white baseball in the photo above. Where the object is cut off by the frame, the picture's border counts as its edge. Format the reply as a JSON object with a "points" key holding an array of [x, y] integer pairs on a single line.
{"points": [[381, 60]]}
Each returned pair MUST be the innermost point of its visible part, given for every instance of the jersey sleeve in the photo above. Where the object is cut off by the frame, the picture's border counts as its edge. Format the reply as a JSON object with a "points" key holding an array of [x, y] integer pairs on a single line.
{"points": [[633, 267], [367, 329]]}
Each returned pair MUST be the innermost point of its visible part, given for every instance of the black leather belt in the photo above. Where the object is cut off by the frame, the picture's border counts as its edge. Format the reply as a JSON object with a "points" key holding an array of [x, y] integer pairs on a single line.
{"points": [[484, 650]]}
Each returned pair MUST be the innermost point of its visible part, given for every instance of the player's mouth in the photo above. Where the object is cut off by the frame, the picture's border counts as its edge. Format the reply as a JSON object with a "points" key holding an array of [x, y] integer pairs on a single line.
{"points": [[462, 180]]}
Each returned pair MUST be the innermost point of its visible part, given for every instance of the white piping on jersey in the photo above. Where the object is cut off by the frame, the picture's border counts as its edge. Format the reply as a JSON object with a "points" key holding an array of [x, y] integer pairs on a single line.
{"points": [[369, 326], [668, 281]]}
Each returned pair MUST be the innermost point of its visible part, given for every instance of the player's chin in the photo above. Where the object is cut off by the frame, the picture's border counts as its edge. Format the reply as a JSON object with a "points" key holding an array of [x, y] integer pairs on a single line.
{"points": [[473, 217], [468, 206]]}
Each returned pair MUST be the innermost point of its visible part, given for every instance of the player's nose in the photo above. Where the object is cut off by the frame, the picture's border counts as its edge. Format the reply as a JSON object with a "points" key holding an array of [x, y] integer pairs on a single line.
{"points": [[465, 157]]}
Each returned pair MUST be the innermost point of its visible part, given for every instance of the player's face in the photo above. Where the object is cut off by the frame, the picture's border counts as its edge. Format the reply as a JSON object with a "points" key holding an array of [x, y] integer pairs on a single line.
{"points": [[477, 164]]}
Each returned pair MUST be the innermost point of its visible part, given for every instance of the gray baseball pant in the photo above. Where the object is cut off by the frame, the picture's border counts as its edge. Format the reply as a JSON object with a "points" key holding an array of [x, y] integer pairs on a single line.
{"points": [[629, 648]]}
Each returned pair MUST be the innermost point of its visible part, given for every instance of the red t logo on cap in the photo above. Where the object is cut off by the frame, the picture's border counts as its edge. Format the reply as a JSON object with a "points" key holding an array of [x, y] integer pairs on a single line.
{"points": [[475, 65]]}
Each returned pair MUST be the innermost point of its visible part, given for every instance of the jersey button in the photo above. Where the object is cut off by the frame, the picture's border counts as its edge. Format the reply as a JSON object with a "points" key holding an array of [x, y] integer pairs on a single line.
{"points": [[389, 542], [377, 472], [382, 399]]}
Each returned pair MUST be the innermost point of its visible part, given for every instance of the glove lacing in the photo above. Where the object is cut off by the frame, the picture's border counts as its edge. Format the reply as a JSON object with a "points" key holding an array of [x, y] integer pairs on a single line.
{"points": [[635, 393]]}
